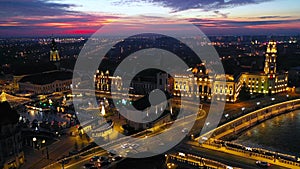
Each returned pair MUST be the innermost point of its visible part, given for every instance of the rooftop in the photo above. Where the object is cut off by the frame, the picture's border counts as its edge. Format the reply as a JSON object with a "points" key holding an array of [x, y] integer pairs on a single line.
{"points": [[46, 78], [33, 68]]}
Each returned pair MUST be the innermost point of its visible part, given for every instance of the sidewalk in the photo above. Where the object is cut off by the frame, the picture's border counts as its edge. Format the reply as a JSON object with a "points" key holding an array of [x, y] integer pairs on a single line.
{"points": [[250, 155], [36, 159]]}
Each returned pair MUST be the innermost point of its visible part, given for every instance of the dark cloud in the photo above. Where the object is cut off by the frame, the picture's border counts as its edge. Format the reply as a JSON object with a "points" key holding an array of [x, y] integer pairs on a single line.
{"points": [[224, 15], [44, 17], [206, 5], [274, 17], [231, 23], [33, 8]]}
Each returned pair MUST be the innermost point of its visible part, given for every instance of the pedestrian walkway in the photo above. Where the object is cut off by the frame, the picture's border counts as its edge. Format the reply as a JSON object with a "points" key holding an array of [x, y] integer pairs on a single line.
{"points": [[36, 159], [250, 155]]}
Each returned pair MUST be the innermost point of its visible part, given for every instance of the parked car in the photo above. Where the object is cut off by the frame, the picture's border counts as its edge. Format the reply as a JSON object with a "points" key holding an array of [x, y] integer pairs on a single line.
{"points": [[88, 165], [95, 158], [263, 164], [116, 158]]}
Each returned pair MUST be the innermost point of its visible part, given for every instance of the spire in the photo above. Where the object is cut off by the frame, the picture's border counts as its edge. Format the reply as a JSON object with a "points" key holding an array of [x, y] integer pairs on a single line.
{"points": [[3, 97], [54, 55], [53, 45], [272, 47], [270, 59]]}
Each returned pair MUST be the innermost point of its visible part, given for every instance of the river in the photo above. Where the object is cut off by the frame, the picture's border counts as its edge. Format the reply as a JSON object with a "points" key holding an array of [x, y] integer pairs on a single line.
{"points": [[281, 134]]}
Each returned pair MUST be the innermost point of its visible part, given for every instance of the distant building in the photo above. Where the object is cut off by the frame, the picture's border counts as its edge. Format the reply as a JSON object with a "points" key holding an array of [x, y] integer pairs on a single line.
{"points": [[201, 85], [294, 76], [41, 80], [44, 83], [54, 55], [140, 85], [11, 153], [271, 81], [205, 87], [104, 82], [32, 69], [37, 68]]}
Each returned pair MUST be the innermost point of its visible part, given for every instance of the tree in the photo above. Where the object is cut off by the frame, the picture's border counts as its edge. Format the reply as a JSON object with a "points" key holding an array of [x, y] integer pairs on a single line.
{"points": [[244, 92]]}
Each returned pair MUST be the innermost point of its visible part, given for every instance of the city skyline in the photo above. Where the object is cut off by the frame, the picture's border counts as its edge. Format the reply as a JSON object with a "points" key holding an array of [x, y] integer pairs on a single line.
{"points": [[66, 17]]}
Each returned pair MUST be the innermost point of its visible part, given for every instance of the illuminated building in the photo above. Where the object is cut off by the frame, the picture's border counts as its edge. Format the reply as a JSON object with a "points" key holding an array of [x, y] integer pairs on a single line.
{"points": [[38, 68], [54, 55], [270, 81], [49, 81], [141, 85], [201, 85], [44, 83], [205, 87], [11, 153], [104, 82]]}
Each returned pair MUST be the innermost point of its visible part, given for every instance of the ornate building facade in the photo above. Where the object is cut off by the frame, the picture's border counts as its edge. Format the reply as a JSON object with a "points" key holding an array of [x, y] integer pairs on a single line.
{"points": [[11, 153], [201, 85], [104, 82]]}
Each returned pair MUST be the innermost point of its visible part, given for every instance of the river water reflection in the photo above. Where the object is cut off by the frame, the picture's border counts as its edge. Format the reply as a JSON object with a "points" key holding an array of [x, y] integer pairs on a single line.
{"points": [[281, 134]]}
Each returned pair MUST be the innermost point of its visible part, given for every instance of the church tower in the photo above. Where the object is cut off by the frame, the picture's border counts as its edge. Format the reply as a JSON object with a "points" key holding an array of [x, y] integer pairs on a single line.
{"points": [[54, 55], [271, 56]]}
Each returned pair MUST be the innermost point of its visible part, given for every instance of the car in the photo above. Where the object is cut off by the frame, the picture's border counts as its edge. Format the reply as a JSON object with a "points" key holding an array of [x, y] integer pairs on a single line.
{"points": [[184, 130], [133, 146], [95, 158], [124, 145], [116, 158], [112, 152], [103, 158], [93, 167], [263, 164], [104, 163], [88, 165]]}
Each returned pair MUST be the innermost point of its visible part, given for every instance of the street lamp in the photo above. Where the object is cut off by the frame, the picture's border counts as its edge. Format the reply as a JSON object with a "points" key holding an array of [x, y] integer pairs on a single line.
{"points": [[44, 143], [258, 103], [272, 98], [243, 110], [34, 142]]}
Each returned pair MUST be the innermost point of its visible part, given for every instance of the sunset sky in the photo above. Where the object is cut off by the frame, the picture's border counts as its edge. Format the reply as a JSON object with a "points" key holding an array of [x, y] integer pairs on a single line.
{"points": [[214, 17]]}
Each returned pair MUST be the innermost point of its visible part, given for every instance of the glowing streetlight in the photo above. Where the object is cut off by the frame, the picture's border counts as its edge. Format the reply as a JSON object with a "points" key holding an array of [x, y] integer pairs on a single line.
{"points": [[103, 111], [258, 103]]}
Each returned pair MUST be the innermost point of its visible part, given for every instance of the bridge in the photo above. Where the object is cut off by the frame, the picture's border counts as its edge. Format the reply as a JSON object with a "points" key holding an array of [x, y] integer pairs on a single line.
{"points": [[213, 139], [249, 120]]}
